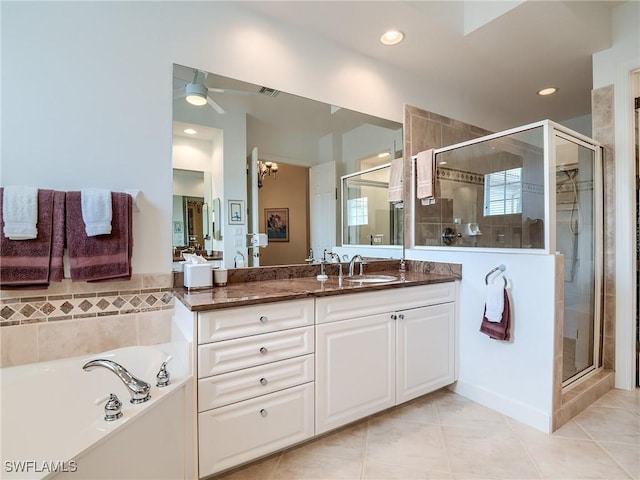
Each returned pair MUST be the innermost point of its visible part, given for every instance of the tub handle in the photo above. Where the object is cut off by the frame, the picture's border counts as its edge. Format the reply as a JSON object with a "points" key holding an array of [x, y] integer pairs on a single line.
{"points": [[113, 407], [163, 378]]}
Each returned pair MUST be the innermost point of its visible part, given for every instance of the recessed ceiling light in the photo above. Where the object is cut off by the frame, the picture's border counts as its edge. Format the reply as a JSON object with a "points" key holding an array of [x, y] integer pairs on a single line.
{"points": [[392, 37], [384, 154], [442, 163], [547, 91], [190, 131]]}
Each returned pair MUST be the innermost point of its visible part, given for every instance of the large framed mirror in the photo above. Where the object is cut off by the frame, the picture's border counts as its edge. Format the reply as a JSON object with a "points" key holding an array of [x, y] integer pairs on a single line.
{"points": [[275, 152]]}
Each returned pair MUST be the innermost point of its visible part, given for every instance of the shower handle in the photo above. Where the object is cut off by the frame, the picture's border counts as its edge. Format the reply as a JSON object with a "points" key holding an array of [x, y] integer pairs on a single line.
{"points": [[449, 235]]}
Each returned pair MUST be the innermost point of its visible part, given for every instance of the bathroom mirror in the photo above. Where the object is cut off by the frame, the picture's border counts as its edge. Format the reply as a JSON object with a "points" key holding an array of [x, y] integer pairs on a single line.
{"points": [[367, 216], [298, 144], [192, 225]]}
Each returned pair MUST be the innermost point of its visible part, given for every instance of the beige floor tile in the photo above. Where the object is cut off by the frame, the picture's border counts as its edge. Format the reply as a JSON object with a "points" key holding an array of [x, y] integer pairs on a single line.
{"points": [[565, 458], [610, 424], [455, 410], [422, 410], [569, 430], [616, 398], [407, 444], [299, 464], [381, 471], [347, 443], [261, 470], [627, 456], [487, 453]]}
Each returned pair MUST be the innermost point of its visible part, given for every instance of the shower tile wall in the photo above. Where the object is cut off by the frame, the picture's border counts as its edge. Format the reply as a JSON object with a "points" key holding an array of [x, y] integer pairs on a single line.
{"points": [[423, 130], [603, 131], [460, 195]]}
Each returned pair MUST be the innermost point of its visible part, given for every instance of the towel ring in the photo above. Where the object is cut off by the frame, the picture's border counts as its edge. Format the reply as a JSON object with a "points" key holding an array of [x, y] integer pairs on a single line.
{"points": [[502, 268]]}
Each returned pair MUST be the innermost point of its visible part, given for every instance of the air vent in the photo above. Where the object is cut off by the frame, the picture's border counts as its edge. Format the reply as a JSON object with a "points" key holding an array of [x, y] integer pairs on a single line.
{"points": [[269, 91]]}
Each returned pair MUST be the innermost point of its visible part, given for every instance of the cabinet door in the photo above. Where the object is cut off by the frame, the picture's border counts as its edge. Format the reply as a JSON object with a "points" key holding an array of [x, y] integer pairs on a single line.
{"points": [[355, 369], [426, 350], [231, 435], [239, 322], [239, 353], [220, 390]]}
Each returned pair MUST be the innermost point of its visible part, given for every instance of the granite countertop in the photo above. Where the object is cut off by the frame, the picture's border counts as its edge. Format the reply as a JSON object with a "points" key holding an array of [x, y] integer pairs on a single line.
{"points": [[279, 289]]}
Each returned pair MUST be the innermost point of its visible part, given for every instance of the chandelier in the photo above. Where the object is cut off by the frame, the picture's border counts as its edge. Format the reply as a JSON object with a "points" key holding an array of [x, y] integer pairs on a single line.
{"points": [[264, 169]]}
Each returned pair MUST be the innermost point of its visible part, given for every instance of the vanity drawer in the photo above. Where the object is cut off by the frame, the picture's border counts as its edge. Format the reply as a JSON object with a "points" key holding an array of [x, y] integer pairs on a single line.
{"points": [[342, 307], [239, 322], [239, 353], [232, 387], [231, 435]]}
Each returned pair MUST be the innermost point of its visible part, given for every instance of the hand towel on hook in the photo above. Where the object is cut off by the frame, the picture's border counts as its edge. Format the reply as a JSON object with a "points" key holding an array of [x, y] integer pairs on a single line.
{"points": [[495, 301]]}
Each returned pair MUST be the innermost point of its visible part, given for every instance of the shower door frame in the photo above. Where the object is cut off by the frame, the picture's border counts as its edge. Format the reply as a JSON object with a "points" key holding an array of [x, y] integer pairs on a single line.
{"points": [[598, 235]]}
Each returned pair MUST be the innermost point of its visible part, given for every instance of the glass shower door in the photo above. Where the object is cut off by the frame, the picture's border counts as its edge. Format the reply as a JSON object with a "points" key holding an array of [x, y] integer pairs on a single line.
{"points": [[578, 239]]}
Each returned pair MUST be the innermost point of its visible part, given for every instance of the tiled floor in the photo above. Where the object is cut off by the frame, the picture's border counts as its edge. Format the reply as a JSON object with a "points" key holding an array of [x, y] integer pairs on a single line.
{"points": [[446, 436]]}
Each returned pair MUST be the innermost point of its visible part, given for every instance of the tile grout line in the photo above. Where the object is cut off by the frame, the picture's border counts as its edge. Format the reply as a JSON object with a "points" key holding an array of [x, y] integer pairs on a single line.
{"points": [[524, 448]]}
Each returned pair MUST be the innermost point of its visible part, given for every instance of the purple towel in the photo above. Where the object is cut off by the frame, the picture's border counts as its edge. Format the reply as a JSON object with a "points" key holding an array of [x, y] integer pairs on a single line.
{"points": [[34, 263], [499, 330], [103, 257]]}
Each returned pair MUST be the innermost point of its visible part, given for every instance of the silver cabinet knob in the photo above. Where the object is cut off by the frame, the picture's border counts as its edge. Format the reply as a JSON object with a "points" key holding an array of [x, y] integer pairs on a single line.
{"points": [[264, 319], [263, 381], [264, 413], [264, 350]]}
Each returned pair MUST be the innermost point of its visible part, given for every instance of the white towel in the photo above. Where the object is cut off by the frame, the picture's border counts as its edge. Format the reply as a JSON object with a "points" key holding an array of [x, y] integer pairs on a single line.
{"points": [[96, 211], [20, 212], [394, 193], [495, 301], [426, 176]]}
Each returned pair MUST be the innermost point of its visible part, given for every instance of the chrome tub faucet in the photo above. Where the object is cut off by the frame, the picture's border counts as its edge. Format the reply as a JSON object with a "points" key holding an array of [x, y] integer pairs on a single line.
{"points": [[139, 389]]}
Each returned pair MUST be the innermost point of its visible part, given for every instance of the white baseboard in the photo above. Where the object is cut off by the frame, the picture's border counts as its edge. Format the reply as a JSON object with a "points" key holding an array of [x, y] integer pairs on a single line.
{"points": [[507, 406]]}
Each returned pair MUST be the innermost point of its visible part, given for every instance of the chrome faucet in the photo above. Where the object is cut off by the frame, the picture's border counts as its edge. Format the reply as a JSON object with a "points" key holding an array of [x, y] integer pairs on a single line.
{"points": [[337, 257], [352, 264], [138, 389], [235, 259]]}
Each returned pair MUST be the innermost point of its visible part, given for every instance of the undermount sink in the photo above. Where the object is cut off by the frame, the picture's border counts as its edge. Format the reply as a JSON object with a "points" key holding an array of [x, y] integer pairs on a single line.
{"points": [[371, 278]]}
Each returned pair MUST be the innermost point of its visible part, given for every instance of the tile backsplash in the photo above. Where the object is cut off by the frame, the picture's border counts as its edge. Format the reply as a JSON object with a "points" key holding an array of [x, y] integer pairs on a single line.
{"points": [[70, 319]]}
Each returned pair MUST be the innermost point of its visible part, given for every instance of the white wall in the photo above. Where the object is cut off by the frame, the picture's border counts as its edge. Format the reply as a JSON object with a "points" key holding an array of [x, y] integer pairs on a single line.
{"points": [[613, 67], [99, 82], [516, 377]]}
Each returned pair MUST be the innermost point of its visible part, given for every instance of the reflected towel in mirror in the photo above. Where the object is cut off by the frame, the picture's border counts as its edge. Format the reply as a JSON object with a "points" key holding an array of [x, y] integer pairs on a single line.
{"points": [[394, 193], [426, 176]]}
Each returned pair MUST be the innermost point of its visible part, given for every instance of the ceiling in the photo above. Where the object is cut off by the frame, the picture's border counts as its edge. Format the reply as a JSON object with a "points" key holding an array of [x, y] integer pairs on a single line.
{"points": [[495, 53]]}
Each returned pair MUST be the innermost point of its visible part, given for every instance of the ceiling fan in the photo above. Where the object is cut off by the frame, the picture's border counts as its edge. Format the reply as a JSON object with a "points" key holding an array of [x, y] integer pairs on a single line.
{"points": [[196, 92]]}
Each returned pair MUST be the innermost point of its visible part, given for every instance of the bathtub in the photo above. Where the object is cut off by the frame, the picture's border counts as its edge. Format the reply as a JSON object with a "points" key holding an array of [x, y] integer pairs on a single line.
{"points": [[53, 418]]}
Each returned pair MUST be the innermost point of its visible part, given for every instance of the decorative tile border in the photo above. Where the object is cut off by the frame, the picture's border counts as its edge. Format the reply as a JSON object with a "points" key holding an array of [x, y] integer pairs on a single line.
{"points": [[75, 304]]}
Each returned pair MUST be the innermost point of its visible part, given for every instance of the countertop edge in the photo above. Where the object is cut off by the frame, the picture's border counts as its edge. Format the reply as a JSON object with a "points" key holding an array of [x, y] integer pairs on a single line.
{"points": [[183, 296]]}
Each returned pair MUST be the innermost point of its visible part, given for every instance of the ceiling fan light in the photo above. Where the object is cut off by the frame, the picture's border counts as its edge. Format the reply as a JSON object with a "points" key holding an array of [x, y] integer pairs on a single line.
{"points": [[196, 94]]}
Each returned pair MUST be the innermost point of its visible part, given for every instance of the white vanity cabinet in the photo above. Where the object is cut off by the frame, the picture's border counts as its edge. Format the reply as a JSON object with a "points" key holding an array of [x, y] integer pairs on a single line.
{"points": [[382, 348], [256, 371]]}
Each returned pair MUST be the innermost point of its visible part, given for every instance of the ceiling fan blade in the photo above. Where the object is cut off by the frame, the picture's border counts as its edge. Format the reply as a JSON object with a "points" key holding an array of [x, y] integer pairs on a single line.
{"points": [[215, 105], [235, 92]]}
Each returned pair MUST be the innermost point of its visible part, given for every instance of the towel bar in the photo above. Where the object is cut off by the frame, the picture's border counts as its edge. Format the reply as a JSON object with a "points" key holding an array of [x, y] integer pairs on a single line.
{"points": [[502, 268]]}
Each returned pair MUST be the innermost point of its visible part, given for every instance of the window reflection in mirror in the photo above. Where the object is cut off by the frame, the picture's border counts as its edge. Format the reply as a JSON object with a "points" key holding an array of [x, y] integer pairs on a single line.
{"points": [[367, 216]]}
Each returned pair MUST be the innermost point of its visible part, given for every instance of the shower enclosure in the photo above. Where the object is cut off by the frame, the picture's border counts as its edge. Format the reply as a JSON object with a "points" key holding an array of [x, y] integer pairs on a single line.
{"points": [[536, 188], [576, 233]]}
